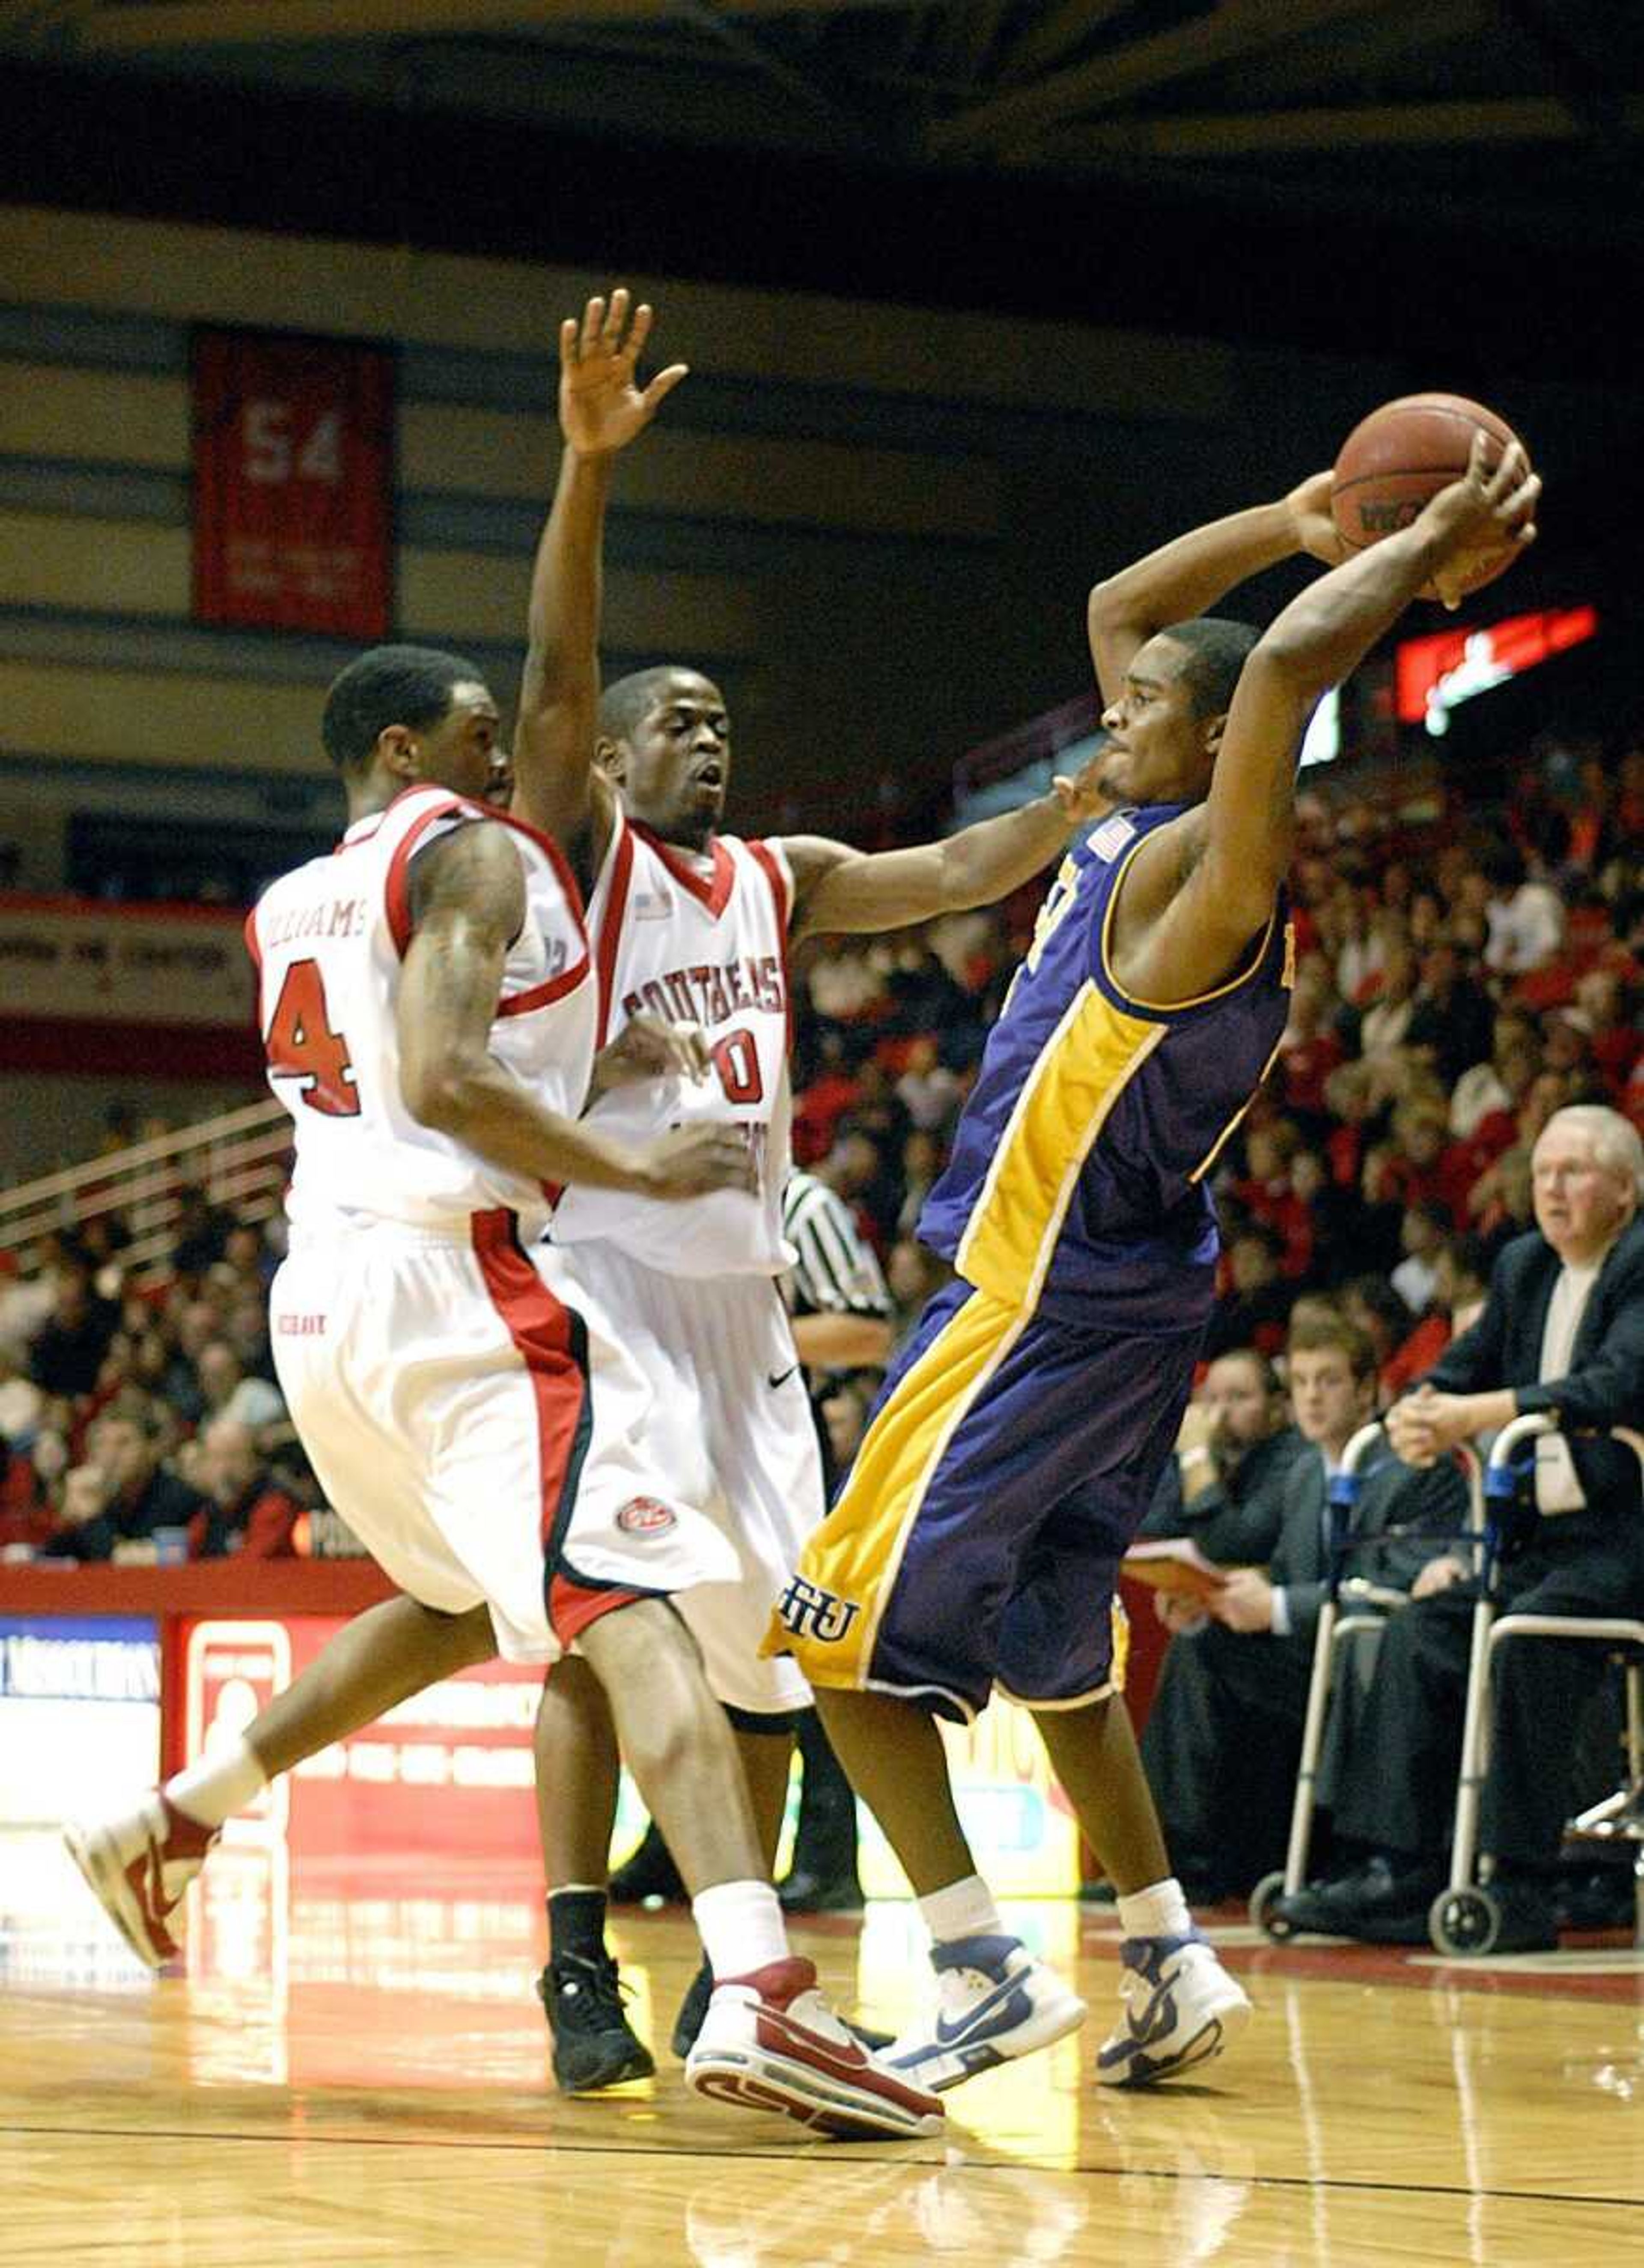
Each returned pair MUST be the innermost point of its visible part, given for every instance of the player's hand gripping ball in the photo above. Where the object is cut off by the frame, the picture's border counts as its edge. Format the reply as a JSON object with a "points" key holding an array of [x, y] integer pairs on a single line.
{"points": [[1399, 457]]}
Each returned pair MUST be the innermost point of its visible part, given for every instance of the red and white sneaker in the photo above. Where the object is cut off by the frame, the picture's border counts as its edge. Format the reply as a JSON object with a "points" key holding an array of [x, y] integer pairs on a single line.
{"points": [[770, 2042], [140, 1865]]}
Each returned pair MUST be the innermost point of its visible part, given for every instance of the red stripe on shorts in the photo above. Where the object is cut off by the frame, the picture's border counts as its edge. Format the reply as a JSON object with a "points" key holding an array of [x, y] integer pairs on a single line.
{"points": [[572, 1605], [552, 1342]]}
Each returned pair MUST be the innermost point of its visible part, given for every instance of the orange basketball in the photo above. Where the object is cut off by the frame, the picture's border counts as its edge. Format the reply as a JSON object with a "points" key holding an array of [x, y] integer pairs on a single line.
{"points": [[1404, 453]]}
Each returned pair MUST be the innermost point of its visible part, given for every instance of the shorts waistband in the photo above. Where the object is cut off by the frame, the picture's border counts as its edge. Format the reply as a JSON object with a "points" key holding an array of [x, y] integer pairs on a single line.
{"points": [[466, 1232]]}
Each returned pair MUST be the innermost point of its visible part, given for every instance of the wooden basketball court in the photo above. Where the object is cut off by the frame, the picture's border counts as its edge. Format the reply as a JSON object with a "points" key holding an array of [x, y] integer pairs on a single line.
{"points": [[353, 2070]]}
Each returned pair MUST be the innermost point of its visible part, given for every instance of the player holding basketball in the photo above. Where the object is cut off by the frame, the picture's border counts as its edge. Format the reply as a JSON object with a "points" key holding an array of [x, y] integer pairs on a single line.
{"points": [[694, 925], [428, 1008], [1018, 1435]]}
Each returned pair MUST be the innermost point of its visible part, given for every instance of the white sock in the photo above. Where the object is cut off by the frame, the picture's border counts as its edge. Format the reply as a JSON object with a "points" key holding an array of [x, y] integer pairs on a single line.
{"points": [[741, 1927], [1158, 1911], [216, 1786], [964, 1909]]}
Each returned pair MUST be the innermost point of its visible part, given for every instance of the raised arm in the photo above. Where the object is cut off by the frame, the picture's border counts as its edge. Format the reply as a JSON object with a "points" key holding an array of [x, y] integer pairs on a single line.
{"points": [[1185, 578], [601, 409], [467, 903], [1318, 640], [837, 889], [1212, 876]]}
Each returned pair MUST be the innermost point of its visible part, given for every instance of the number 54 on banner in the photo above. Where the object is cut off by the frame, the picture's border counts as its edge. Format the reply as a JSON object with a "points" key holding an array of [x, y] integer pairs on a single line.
{"points": [[293, 469]]}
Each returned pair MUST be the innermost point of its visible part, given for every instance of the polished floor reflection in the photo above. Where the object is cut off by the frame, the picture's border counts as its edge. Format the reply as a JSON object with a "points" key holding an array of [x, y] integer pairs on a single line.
{"points": [[352, 2070]]}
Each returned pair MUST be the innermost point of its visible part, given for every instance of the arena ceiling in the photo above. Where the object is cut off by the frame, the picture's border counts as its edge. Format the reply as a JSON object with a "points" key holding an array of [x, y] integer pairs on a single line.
{"points": [[1527, 112]]}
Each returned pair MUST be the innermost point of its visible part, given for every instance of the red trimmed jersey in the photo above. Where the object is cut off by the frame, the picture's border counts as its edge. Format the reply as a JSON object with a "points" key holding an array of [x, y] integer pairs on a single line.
{"points": [[703, 941], [328, 940]]}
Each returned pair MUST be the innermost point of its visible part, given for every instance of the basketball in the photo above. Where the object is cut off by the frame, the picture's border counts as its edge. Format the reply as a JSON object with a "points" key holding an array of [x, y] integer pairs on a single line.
{"points": [[1404, 453]]}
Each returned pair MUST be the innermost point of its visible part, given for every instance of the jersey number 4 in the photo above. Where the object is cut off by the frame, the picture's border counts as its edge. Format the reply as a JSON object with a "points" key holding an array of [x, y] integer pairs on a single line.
{"points": [[301, 1044]]}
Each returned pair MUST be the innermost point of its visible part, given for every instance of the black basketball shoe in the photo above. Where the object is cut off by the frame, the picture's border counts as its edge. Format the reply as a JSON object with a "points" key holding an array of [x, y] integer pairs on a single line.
{"points": [[594, 2044]]}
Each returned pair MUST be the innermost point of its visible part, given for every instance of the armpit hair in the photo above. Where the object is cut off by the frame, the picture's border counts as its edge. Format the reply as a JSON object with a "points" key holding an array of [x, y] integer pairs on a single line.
{"points": [[1190, 849]]}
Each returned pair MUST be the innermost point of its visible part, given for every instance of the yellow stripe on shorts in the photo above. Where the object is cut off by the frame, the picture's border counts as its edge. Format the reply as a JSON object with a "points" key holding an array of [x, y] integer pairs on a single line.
{"points": [[1121, 1626], [828, 1616]]}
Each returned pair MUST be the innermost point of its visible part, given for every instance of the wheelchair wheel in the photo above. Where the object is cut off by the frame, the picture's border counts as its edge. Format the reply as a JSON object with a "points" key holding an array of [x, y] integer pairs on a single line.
{"points": [[1264, 1909], [1464, 1921]]}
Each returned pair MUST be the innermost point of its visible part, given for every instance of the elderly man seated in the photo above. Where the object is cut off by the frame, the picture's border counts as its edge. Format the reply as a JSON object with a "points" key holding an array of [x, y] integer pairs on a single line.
{"points": [[1562, 1331]]}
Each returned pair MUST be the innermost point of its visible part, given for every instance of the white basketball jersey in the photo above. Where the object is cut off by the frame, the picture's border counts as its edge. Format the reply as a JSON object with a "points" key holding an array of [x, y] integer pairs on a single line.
{"points": [[328, 940], [699, 941]]}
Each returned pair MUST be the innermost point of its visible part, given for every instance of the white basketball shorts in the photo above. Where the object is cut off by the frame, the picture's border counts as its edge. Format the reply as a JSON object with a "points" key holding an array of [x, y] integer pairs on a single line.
{"points": [[484, 1439], [732, 1427]]}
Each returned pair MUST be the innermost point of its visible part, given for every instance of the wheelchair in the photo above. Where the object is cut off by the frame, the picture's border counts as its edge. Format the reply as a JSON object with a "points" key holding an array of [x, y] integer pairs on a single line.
{"points": [[1353, 1604], [1466, 1917]]}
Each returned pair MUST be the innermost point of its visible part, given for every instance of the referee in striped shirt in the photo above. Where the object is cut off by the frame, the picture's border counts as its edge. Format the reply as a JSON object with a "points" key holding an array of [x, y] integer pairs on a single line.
{"points": [[841, 1323], [836, 1291]]}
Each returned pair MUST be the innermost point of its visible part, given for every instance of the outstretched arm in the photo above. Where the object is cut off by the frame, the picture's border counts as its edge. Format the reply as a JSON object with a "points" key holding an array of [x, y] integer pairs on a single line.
{"points": [[1318, 640], [1184, 577], [601, 409], [837, 889]]}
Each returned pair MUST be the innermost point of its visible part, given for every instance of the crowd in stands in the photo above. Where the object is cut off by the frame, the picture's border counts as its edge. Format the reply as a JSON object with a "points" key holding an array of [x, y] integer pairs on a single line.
{"points": [[141, 1420], [1456, 980]]}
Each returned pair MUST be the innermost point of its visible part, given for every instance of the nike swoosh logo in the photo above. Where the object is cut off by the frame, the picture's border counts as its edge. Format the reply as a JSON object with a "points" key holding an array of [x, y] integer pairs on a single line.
{"points": [[1007, 2000], [782, 1377]]}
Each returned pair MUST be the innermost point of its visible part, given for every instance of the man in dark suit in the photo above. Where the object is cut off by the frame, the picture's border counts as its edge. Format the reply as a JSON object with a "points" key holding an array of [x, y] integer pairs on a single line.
{"points": [[1224, 1736], [1562, 1331], [1234, 1449]]}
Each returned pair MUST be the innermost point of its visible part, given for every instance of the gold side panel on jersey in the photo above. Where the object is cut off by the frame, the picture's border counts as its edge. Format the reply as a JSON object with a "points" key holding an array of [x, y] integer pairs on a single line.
{"points": [[1091, 1058]]}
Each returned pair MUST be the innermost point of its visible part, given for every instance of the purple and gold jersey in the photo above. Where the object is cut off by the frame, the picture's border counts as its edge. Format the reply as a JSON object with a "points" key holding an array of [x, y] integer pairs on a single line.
{"points": [[1077, 1187]]}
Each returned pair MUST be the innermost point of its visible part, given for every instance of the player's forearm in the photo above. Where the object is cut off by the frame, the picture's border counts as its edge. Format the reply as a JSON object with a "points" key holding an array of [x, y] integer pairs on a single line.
{"points": [[862, 893], [1185, 577], [842, 1341], [986, 862], [1323, 634], [482, 1105]]}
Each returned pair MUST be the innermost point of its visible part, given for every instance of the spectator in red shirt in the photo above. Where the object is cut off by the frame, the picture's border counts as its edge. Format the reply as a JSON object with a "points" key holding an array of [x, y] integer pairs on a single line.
{"points": [[1352, 1104], [824, 1101], [1267, 1194], [246, 1511], [1310, 1051], [1601, 996]]}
